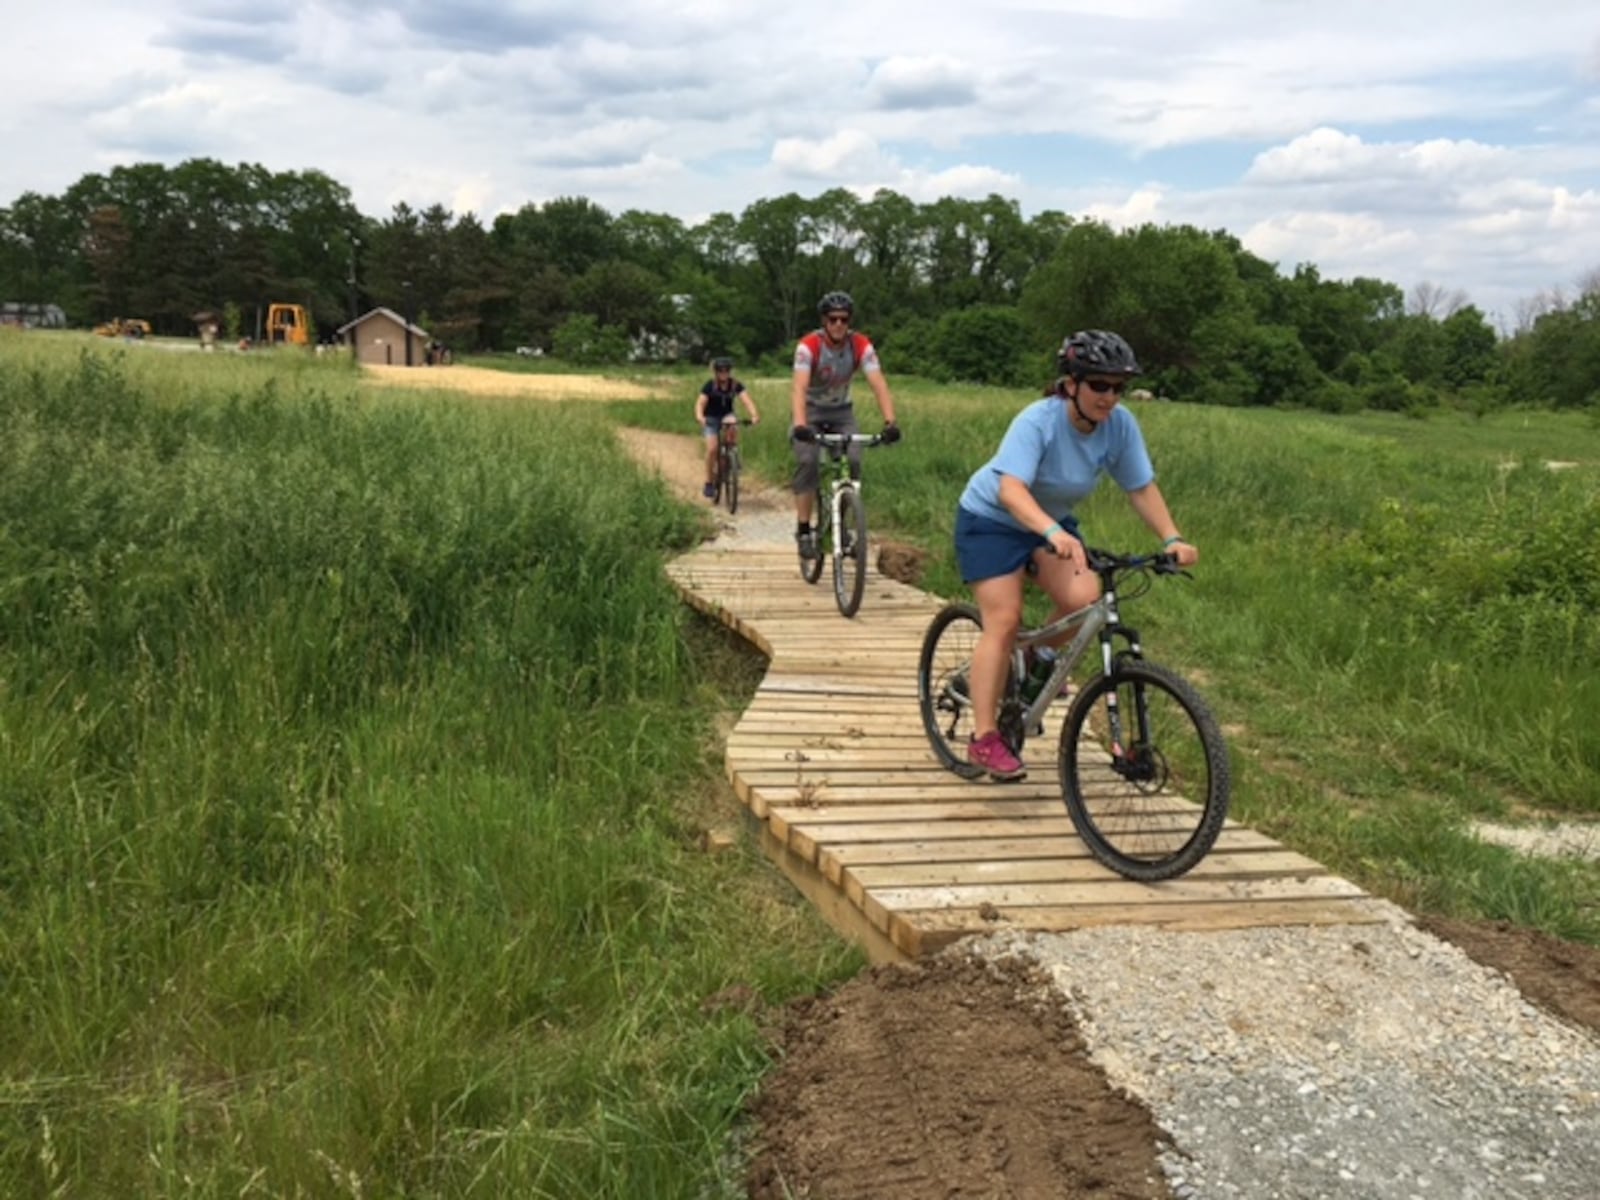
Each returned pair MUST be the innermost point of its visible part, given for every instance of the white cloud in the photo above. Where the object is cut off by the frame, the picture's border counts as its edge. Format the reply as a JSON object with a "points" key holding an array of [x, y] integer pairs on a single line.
{"points": [[1141, 207], [1331, 156], [850, 152], [936, 81], [1434, 139]]}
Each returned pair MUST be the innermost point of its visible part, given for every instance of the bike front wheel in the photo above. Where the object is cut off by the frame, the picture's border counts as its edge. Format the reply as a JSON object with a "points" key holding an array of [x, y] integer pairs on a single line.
{"points": [[850, 552], [944, 690], [730, 471], [1144, 772]]}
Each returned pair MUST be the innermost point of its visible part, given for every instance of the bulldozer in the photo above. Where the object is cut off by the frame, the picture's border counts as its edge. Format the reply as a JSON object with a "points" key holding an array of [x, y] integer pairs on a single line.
{"points": [[134, 327], [287, 325]]}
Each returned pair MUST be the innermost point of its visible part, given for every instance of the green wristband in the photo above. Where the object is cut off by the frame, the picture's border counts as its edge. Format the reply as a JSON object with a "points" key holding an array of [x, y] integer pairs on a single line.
{"points": [[1055, 527], [1177, 537]]}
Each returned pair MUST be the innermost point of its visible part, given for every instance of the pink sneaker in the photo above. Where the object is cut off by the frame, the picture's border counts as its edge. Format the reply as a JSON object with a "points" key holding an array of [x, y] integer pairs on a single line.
{"points": [[992, 754]]}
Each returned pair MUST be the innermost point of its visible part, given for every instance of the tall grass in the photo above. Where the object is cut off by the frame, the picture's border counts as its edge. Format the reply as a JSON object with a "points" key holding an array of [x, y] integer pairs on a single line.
{"points": [[1394, 617], [343, 751]]}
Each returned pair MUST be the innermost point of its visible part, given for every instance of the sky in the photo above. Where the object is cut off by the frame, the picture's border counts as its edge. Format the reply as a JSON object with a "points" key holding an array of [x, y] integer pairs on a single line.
{"points": [[1450, 143]]}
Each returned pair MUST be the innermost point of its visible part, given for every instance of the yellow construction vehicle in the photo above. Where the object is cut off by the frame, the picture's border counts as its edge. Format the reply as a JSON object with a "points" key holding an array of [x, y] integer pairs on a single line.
{"points": [[135, 327], [288, 325]]}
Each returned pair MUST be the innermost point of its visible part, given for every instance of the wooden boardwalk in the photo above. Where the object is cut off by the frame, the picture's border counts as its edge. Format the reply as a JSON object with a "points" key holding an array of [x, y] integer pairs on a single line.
{"points": [[897, 853]]}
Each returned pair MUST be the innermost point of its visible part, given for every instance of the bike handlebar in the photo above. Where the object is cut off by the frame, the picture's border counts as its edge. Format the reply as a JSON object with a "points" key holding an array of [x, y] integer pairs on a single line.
{"points": [[1105, 562], [845, 439]]}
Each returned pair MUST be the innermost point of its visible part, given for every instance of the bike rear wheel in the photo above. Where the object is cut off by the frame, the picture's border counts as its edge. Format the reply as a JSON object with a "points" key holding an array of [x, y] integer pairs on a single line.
{"points": [[850, 552], [1151, 806], [811, 568], [944, 688]]}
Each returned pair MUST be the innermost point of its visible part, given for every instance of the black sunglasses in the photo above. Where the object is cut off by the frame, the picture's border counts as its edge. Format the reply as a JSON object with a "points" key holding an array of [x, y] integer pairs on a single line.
{"points": [[837, 318], [1102, 386]]}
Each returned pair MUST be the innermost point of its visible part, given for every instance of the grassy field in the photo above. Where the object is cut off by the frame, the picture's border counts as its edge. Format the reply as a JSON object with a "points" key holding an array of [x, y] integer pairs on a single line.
{"points": [[353, 751], [1394, 617], [352, 755]]}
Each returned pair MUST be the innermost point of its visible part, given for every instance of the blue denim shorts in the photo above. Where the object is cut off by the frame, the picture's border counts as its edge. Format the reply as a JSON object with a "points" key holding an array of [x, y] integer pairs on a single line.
{"points": [[986, 548]]}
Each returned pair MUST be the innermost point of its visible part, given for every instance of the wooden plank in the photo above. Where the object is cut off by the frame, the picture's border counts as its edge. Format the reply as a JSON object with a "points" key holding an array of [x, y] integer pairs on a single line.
{"points": [[921, 933], [836, 857], [1111, 890], [847, 919], [1264, 864]]}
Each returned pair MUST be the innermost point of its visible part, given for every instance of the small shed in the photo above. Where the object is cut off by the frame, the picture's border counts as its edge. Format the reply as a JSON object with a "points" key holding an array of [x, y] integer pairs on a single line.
{"points": [[379, 337]]}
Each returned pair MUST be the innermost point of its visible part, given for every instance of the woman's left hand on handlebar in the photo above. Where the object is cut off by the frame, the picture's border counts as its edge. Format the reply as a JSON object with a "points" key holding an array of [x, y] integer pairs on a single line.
{"points": [[1186, 554], [1064, 545]]}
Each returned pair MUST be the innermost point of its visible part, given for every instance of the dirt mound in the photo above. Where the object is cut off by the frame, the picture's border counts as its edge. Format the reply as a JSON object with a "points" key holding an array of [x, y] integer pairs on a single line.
{"points": [[901, 561], [950, 1077]]}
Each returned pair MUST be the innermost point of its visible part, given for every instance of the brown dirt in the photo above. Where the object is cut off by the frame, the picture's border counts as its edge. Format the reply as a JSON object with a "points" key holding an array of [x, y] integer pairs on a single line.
{"points": [[484, 381], [945, 1078], [1561, 977], [901, 561], [954, 1078]]}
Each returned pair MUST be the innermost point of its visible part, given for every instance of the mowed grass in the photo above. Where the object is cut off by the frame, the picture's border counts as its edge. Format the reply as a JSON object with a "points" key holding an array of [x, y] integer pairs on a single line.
{"points": [[352, 755], [1394, 618]]}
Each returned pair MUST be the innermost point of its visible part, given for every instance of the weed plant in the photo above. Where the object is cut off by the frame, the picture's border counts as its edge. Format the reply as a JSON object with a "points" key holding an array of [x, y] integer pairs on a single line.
{"points": [[342, 745]]}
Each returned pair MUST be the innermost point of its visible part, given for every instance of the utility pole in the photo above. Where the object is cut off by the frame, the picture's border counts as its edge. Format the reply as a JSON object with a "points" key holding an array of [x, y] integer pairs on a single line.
{"points": [[355, 311], [407, 286]]}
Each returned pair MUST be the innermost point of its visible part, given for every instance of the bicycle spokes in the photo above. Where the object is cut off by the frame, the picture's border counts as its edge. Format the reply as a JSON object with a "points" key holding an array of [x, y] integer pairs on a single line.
{"points": [[1144, 772]]}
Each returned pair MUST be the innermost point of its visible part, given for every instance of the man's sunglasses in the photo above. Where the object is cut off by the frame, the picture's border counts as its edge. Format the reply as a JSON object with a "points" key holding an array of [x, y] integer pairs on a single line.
{"points": [[837, 318], [1102, 386]]}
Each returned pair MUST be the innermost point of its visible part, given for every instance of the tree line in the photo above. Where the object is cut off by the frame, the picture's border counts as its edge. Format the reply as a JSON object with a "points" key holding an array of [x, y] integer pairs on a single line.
{"points": [[954, 289]]}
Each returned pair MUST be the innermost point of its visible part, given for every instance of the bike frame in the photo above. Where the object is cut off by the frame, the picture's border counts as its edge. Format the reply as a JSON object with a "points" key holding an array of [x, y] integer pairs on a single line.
{"points": [[1100, 620], [839, 468], [727, 442]]}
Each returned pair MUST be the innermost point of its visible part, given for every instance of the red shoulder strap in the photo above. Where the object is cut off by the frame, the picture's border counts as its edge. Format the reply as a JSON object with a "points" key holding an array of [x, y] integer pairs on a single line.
{"points": [[858, 349]]}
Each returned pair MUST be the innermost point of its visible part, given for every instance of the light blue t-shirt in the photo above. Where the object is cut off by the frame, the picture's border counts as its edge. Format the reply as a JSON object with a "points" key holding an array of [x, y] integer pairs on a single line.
{"points": [[1060, 465]]}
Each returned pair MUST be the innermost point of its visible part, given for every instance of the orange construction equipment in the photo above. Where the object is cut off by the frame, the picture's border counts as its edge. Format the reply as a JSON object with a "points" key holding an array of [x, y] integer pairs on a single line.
{"points": [[134, 327], [288, 325]]}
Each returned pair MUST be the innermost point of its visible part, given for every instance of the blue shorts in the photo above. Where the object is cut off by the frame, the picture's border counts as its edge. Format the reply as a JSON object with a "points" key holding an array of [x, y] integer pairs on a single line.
{"points": [[713, 426], [986, 548]]}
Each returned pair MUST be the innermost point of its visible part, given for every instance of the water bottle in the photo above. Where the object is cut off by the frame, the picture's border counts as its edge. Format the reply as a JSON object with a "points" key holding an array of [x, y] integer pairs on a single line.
{"points": [[1044, 662]]}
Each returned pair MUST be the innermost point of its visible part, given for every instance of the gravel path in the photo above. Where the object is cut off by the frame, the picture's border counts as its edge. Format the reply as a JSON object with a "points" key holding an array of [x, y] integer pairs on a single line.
{"points": [[1372, 1061]]}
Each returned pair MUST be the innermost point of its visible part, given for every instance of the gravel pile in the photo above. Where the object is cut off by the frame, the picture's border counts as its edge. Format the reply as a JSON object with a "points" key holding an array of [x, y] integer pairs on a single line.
{"points": [[1372, 1061]]}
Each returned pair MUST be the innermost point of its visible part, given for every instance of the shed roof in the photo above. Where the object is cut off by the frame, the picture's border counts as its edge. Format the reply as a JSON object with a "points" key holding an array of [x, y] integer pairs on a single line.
{"points": [[388, 312]]}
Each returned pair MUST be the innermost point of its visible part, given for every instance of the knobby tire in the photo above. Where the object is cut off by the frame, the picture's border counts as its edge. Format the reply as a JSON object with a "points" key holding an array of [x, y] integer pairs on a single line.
{"points": [[850, 553], [1159, 812], [811, 568], [941, 667]]}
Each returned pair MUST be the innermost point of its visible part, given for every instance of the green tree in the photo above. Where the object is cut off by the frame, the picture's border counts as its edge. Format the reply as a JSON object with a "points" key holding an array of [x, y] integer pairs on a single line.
{"points": [[583, 341], [987, 343]]}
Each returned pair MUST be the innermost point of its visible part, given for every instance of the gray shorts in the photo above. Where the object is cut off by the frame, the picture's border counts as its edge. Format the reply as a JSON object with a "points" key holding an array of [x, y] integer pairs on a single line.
{"points": [[807, 454]]}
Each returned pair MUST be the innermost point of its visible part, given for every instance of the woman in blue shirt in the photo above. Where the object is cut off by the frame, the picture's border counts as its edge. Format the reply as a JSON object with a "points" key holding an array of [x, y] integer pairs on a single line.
{"points": [[1015, 516]]}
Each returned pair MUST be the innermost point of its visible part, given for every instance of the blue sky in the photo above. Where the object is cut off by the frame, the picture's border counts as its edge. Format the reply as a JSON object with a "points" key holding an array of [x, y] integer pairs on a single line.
{"points": [[1446, 142]]}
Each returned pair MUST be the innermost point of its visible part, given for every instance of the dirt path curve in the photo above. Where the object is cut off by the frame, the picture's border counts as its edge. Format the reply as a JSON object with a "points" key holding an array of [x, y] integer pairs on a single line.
{"points": [[766, 513]]}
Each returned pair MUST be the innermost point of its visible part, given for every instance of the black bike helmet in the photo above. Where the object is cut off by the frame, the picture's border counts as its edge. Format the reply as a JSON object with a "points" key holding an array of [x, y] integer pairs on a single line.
{"points": [[722, 364], [836, 302], [1095, 352]]}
